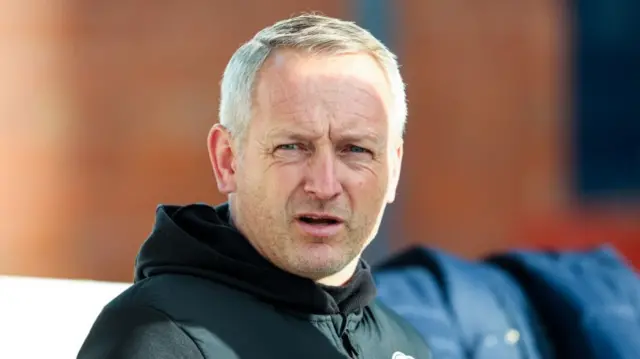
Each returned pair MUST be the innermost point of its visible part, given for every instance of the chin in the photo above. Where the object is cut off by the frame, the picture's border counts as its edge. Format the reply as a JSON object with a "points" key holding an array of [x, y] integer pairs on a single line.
{"points": [[320, 252], [323, 259]]}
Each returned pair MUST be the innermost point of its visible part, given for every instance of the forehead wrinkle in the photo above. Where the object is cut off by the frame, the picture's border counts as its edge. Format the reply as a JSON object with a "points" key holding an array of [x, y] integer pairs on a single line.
{"points": [[313, 122], [340, 89], [349, 101], [355, 133], [289, 133], [321, 103], [338, 109]]}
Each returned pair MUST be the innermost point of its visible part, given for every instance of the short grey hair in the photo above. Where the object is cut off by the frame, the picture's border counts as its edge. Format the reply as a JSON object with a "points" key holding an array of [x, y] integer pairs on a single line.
{"points": [[308, 32]]}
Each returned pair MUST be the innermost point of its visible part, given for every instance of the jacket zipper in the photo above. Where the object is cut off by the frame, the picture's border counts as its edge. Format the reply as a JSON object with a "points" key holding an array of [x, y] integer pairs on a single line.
{"points": [[346, 340], [348, 346]]}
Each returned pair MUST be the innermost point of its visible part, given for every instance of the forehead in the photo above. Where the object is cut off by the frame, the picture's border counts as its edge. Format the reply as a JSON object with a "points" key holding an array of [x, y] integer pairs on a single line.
{"points": [[317, 92]]}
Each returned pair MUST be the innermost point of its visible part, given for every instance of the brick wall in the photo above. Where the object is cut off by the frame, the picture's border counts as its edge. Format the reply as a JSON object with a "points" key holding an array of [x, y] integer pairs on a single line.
{"points": [[484, 149]]}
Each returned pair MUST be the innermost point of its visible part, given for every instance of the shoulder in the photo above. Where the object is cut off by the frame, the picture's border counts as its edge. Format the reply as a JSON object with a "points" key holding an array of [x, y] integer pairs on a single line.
{"points": [[183, 297], [150, 319], [138, 332]]}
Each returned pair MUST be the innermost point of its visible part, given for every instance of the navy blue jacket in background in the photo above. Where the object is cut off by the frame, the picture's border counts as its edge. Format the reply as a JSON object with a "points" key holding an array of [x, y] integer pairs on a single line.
{"points": [[521, 305]]}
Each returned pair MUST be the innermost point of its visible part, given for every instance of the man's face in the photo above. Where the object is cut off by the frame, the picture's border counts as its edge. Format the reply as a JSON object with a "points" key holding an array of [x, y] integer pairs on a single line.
{"points": [[318, 163]]}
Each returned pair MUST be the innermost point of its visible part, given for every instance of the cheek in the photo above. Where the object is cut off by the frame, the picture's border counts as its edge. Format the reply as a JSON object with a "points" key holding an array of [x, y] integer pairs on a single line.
{"points": [[282, 180], [367, 186]]}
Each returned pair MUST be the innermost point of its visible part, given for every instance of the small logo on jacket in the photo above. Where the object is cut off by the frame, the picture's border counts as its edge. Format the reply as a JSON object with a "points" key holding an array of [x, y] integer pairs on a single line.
{"points": [[401, 355]]}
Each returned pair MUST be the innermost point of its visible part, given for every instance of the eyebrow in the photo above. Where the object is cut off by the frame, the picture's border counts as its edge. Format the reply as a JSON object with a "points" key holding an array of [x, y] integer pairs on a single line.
{"points": [[288, 133], [301, 135]]}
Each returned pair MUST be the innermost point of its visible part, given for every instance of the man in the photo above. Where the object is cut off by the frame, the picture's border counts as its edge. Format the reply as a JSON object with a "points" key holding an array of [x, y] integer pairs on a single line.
{"points": [[308, 151]]}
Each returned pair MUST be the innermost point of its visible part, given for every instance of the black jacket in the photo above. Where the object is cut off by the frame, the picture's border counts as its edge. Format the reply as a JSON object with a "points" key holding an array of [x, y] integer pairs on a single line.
{"points": [[202, 291]]}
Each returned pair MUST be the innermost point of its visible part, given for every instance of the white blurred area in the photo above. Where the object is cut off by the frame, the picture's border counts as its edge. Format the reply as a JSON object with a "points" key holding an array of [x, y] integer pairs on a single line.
{"points": [[49, 318]]}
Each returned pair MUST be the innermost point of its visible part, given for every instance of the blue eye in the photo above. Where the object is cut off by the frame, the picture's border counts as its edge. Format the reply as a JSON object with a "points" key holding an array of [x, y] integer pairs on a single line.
{"points": [[289, 147], [357, 149]]}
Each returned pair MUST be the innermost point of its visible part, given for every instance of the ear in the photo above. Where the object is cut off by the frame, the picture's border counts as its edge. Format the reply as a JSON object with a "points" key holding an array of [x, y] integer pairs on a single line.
{"points": [[396, 166], [223, 161]]}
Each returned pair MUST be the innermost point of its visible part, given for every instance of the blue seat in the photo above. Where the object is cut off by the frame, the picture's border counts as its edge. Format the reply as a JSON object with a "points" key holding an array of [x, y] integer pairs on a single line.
{"points": [[589, 300], [463, 309]]}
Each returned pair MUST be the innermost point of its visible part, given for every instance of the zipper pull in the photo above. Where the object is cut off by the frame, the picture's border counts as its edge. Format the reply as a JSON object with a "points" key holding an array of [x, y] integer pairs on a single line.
{"points": [[348, 346]]}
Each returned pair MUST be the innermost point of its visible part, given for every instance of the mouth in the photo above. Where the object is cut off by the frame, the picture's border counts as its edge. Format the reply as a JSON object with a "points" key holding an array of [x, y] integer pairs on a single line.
{"points": [[319, 219], [319, 225]]}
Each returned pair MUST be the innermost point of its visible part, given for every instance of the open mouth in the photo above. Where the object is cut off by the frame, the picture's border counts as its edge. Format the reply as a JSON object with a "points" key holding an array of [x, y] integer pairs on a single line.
{"points": [[319, 220], [319, 225]]}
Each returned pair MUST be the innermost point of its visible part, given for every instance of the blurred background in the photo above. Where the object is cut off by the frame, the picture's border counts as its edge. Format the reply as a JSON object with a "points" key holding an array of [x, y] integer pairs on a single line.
{"points": [[524, 126]]}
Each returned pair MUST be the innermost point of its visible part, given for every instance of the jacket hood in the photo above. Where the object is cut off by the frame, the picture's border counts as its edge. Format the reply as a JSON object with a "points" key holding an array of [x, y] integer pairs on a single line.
{"points": [[199, 240]]}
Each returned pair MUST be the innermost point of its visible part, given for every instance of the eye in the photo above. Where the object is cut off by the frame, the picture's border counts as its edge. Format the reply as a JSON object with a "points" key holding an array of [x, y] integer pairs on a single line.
{"points": [[356, 149], [289, 147]]}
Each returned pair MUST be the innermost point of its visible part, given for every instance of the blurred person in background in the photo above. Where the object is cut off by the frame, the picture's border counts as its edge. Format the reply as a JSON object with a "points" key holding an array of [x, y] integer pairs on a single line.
{"points": [[308, 151]]}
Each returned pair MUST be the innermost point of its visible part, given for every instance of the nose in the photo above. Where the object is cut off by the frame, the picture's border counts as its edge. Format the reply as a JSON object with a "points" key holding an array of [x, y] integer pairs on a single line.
{"points": [[322, 180]]}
